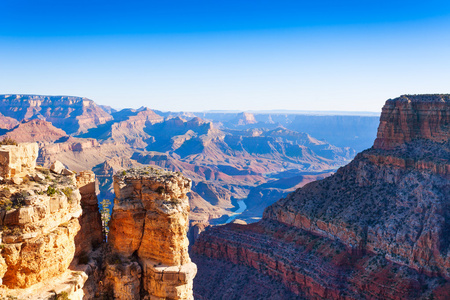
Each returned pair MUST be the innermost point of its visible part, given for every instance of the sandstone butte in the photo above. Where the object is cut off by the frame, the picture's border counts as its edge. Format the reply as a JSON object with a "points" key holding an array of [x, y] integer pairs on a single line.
{"points": [[52, 245], [379, 228]]}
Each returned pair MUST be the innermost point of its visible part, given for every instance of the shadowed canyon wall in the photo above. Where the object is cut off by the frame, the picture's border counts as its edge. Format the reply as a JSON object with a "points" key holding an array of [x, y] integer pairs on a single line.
{"points": [[377, 229]]}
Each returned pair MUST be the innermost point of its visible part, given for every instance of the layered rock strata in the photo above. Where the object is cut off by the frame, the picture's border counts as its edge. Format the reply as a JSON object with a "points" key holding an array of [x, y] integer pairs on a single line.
{"points": [[148, 236], [377, 229], [411, 117], [39, 218], [48, 229]]}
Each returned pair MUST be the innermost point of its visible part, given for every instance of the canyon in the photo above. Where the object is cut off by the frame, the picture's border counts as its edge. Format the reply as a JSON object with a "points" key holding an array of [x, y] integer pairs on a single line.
{"points": [[376, 229], [231, 157], [52, 241]]}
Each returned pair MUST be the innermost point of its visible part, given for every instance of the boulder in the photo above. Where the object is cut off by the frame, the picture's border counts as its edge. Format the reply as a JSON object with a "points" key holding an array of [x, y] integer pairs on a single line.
{"points": [[38, 177], [57, 167], [67, 172], [17, 180]]}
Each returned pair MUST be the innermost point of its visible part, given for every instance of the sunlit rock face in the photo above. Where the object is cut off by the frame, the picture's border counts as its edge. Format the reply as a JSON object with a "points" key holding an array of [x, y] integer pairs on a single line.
{"points": [[39, 218], [148, 235], [18, 159], [412, 117]]}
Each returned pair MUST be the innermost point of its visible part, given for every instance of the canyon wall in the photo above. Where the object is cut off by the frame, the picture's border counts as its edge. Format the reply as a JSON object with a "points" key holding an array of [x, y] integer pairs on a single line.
{"points": [[149, 245], [41, 216], [377, 229]]}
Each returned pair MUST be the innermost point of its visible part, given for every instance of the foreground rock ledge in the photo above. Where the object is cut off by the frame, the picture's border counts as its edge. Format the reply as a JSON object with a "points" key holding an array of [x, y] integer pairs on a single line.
{"points": [[149, 246]]}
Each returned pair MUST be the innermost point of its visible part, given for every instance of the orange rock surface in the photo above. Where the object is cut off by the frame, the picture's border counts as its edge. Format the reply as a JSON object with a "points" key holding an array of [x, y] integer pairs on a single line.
{"points": [[149, 222]]}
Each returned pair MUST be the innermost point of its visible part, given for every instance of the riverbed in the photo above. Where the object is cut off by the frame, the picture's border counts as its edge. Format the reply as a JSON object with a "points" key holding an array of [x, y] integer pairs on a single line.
{"points": [[240, 210]]}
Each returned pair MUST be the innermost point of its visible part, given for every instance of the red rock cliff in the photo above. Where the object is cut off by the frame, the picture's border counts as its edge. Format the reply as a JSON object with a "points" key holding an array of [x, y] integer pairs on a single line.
{"points": [[412, 117], [389, 209]]}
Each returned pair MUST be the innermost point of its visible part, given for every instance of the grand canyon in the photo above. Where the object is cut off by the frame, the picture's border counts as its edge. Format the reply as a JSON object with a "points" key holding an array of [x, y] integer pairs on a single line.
{"points": [[304, 218]]}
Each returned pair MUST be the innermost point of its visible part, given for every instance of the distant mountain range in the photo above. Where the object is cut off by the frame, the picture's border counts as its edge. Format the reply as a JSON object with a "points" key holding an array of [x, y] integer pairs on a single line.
{"points": [[230, 156]]}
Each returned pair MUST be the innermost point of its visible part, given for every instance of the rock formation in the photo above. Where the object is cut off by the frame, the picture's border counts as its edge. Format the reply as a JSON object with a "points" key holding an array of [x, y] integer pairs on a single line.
{"points": [[378, 228], [18, 160], [148, 236], [52, 241], [7, 122], [245, 118], [412, 117], [39, 218], [90, 235], [46, 223]]}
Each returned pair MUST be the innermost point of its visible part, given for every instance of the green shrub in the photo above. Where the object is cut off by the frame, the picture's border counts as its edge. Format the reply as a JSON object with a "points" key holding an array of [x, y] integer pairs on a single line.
{"points": [[51, 191]]}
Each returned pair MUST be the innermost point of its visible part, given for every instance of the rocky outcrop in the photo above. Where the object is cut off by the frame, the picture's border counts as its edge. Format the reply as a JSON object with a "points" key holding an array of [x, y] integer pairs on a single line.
{"points": [[377, 229], [412, 117], [52, 241], [40, 222], [48, 229], [18, 160], [148, 236]]}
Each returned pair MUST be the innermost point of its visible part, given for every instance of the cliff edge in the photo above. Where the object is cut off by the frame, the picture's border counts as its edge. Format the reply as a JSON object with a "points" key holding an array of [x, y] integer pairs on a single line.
{"points": [[381, 221]]}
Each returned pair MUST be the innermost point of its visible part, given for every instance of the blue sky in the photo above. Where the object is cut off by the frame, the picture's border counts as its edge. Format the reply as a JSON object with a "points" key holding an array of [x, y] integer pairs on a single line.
{"points": [[240, 55]]}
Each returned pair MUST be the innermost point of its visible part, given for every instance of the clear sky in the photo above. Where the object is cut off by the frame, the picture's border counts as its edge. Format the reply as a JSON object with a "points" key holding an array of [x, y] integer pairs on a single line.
{"points": [[197, 55]]}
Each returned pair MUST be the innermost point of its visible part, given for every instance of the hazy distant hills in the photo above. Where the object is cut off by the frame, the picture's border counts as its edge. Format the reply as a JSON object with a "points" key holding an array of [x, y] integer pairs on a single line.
{"points": [[231, 156], [71, 114], [343, 129]]}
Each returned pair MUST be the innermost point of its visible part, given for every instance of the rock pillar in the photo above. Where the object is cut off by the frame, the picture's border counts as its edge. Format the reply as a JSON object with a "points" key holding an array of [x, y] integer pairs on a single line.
{"points": [[149, 225]]}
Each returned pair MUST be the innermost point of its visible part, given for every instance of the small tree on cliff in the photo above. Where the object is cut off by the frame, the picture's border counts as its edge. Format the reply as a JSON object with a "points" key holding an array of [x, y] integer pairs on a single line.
{"points": [[105, 214]]}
